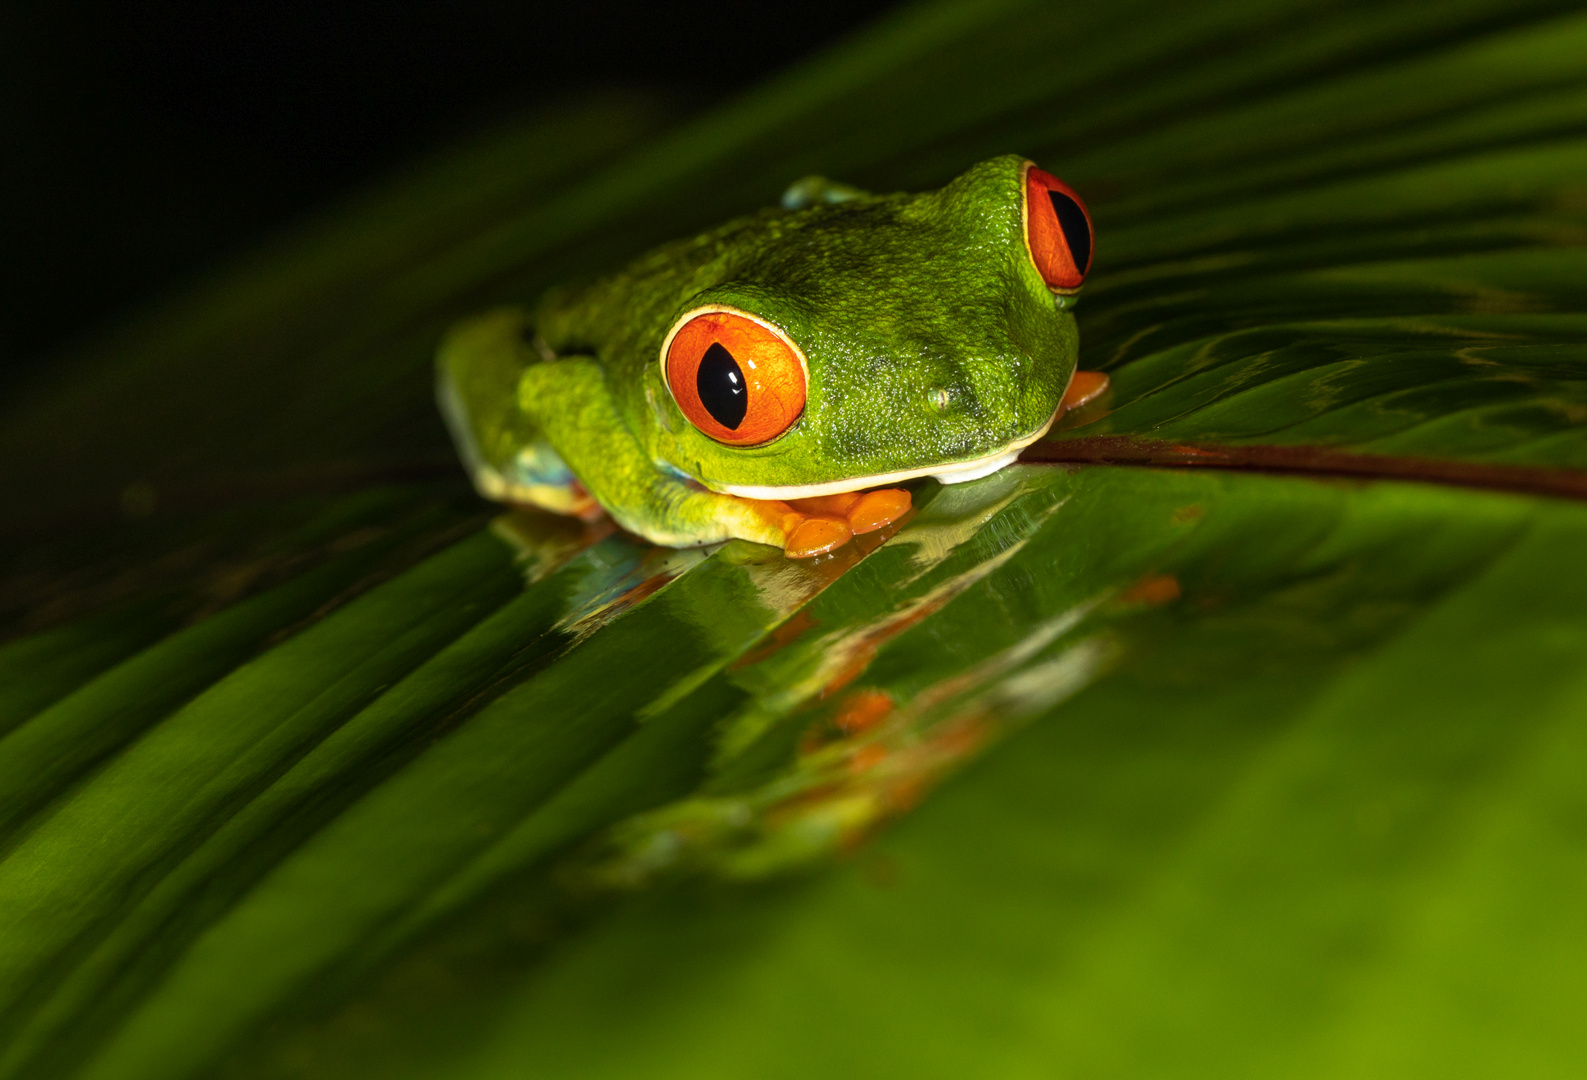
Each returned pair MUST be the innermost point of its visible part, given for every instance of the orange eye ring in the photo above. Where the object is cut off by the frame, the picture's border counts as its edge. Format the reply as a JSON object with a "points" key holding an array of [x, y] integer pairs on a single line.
{"points": [[1057, 231], [736, 377]]}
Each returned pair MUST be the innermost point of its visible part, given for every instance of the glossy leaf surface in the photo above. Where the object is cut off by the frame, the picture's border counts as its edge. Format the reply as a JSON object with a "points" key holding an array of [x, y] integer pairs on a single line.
{"points": [[313, 766]]}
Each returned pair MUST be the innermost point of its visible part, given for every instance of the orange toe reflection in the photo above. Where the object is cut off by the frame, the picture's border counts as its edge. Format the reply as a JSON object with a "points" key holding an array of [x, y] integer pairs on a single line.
{"points": [[877, 508]]}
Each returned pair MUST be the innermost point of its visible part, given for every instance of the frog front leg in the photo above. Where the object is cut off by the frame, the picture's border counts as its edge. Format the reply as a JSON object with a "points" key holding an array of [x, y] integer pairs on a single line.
{"points": [[569, 401], [508, 457]]}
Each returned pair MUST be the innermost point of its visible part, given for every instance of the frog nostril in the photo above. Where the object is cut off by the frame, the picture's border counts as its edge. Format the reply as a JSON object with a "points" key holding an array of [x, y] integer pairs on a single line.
{"points": [[939, 398]]}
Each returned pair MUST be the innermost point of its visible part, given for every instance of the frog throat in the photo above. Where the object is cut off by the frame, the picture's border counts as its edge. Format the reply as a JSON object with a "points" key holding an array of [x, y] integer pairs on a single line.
{"points": [[957, 472]]}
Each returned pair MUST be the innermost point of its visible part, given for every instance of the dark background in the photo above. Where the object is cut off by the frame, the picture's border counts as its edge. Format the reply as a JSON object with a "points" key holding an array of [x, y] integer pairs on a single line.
{"points": [[144, 140]]}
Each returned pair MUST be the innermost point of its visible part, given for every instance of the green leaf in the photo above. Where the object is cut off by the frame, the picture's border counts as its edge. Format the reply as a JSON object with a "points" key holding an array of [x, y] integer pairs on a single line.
{"points": [[1282, 831], [1091, 767]]}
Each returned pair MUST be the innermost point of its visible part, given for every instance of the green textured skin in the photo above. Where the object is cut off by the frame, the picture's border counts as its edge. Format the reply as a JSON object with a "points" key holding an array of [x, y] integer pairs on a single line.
{"points": [[894, 299]]}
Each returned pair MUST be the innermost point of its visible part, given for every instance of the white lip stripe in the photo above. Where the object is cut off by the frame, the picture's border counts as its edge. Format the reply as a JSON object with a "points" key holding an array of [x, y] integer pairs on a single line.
{"points": [[964, 476], [987, 464]]}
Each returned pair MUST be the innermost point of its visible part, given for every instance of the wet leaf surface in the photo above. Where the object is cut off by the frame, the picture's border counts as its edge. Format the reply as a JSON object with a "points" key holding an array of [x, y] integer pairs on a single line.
{"points": [[311, 765]]}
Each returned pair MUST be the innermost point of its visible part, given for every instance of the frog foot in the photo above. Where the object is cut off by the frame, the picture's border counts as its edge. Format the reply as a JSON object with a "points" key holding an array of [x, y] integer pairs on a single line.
{"points": [[1084, 388], [817, 525]]}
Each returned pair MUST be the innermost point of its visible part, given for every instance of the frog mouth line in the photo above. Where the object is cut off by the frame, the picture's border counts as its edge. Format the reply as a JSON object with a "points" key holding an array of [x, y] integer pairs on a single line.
{"points": [[957, 472]]}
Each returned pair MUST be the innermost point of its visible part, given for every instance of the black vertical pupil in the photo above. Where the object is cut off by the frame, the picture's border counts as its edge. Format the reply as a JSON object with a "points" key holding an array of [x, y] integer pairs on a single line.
{"points": [[1072, 220], [720, 383]]}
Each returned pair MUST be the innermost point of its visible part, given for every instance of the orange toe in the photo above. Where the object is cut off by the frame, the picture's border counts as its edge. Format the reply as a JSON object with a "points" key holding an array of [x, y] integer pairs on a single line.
{"points": [[1084, 388], [777, 515], [817, 536], [816, 525], [877, 508], [826, 505]]}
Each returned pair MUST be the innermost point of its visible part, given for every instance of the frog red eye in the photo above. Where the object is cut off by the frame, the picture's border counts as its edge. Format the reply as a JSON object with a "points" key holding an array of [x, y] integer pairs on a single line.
{"points": [[1057, 229], [737, 379]]}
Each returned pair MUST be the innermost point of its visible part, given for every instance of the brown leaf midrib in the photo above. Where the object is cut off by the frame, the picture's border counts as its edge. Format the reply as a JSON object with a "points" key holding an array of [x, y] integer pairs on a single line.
{"points": [[1308, 460]]}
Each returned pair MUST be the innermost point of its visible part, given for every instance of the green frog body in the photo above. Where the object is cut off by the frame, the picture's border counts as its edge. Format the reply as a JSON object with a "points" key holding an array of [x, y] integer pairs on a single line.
{"points": [[775, 378]]}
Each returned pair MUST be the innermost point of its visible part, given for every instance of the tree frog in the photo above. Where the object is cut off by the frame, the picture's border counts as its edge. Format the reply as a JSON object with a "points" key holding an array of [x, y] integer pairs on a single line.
{"points": [[775, 378]]}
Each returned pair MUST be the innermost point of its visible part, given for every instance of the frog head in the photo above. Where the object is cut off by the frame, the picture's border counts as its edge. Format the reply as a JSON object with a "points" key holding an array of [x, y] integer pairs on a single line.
{"points": [[867, 341]]}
